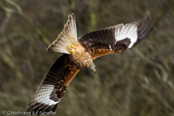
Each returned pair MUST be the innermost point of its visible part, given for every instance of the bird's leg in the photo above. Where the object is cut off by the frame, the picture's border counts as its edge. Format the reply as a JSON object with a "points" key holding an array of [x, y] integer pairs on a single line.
{"points": [[71, 51], [72, 46]]}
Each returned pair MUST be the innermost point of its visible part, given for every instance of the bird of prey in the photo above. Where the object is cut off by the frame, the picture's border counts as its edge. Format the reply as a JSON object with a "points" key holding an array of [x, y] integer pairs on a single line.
{"points": [[79, 53]]}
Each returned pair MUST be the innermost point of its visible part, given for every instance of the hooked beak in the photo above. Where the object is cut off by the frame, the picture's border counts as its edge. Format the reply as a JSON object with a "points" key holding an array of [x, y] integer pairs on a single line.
{"points": [[95, 70]]}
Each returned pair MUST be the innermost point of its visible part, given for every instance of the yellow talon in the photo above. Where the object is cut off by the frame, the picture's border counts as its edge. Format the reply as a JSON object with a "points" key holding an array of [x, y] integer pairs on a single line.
{"points": [[71, 51], [72, 46]]}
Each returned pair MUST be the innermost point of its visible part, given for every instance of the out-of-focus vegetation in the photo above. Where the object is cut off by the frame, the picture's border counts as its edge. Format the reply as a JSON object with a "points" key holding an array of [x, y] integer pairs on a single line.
{"points": [[137, 82]]}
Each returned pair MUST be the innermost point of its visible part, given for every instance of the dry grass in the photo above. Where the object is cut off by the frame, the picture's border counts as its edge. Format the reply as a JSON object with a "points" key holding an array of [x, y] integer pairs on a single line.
{"points": [[137, 82]]}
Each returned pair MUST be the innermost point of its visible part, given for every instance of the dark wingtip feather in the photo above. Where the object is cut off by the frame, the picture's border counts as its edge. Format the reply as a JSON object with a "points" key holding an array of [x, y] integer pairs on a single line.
{"points": [[38, 108], [145, 27]]}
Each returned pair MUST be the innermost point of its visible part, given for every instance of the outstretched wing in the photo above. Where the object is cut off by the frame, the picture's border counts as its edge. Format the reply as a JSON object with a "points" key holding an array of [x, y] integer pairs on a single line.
{"points": [[54, 85], [116, 38]]}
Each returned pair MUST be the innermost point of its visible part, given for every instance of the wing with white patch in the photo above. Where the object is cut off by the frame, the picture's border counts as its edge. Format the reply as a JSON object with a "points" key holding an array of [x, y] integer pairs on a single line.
{"points": [[54, 85], [116, 38]]}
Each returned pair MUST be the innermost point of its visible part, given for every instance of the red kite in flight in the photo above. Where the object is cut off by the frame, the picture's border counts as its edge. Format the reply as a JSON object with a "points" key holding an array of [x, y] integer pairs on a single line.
{"points": [[79, 53]]}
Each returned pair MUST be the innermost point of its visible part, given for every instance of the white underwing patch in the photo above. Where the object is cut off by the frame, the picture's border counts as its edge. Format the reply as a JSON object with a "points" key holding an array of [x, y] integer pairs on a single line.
{"points": [[126, 31], [110, 47], [43, 95]]}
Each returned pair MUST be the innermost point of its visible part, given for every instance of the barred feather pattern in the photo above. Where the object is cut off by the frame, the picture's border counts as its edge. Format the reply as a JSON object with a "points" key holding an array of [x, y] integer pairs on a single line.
{"points": [[67, 37]]}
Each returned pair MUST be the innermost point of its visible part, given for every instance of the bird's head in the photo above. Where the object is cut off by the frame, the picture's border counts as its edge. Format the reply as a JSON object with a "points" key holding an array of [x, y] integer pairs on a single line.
{"points": [[93, 68]]}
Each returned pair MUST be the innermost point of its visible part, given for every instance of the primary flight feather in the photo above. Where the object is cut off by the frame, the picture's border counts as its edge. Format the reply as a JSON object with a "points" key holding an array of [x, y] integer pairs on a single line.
{"points": [[79, 53]]}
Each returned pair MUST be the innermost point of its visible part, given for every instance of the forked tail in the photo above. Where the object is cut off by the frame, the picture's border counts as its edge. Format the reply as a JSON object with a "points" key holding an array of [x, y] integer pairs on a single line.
{"points": [[65, 40]]}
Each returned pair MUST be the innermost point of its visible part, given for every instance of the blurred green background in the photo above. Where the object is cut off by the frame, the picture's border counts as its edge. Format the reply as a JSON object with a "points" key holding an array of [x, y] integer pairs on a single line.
{"points": [[137, 82]]}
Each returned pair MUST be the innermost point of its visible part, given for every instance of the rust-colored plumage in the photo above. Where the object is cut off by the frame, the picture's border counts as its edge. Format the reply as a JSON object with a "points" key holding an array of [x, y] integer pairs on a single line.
{"points": [[79, 53]]}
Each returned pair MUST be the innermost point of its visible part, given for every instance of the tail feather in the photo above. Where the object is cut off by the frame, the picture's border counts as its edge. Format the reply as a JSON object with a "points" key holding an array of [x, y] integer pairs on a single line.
{"points": [[67, 37]]}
